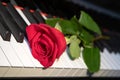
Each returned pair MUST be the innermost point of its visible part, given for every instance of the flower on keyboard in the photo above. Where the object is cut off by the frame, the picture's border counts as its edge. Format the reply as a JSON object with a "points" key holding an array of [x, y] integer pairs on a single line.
{"points": [[49, 40], [46, 43], [80, 35]]}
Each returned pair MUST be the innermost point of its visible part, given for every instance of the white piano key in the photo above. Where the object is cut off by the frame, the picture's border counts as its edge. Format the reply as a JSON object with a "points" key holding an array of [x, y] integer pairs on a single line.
{"points": [[107, 59], [114, 60], [61, 62], [102, 62], [23, 16], [110, 59], [42, 14], [78, 63], [3, 59], [65, 61], [83, 65], [116, 57], [24, 58], [10, 53], [74, 63], [108, 66]]}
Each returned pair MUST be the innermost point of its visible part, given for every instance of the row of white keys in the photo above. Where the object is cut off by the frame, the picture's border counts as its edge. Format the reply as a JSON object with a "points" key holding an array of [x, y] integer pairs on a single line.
{"points": [[59, 63], [103, 62], [113, 61], [19, 50], [10, 53], [65, 62], [110, 60], [116, 58]]}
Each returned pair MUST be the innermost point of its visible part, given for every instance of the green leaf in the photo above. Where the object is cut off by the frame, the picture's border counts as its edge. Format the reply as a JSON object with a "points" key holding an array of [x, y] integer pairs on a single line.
{"points": [[52, 21], [87, 21], [74, 49], [73, 38], [86, 37], [76, 23], [91, 58], [68, 27]]}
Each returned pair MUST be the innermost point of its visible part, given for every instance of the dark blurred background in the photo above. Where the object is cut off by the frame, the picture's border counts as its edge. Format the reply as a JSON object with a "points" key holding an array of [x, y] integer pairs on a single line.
{"points": [[105, 12]]}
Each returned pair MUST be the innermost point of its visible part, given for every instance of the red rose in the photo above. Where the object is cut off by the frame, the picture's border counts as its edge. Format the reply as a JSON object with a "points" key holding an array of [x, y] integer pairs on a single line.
{"points": [[46, 43]]}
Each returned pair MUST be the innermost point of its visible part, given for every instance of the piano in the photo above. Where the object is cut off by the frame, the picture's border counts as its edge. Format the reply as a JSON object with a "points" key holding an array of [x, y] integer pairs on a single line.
{"points": [[15, 55]]}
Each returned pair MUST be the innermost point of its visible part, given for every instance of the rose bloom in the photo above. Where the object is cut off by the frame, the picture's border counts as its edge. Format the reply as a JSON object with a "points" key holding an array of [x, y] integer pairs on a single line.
{"points": [[46, 43]]}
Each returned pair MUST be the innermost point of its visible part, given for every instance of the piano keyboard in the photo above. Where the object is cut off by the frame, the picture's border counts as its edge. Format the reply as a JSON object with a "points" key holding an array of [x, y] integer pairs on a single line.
{"points": [[16, 59]]}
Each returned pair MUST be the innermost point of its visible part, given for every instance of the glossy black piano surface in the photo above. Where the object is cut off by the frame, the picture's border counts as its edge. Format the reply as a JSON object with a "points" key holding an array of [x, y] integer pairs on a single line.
{"points": [[106, 12]]}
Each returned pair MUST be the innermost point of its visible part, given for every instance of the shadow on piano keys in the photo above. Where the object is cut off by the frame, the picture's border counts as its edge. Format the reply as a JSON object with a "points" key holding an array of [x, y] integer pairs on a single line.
{"points": [[16, 59]]}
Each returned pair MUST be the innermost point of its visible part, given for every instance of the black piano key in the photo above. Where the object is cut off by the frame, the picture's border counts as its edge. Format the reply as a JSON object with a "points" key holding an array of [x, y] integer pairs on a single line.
{"points": [[5, 0], [39, 10], [29, 15], [113, 41], [23, 3], [15, 15], [5, 34], [118, 40], [106, 46], [49, 16], [38, 17], [11, 24], [4, 30], [99, 45]]}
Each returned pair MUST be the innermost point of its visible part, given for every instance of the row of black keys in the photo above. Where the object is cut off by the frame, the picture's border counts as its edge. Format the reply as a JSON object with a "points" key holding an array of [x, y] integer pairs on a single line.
{"points": [[112, 44], [12, 23]]}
